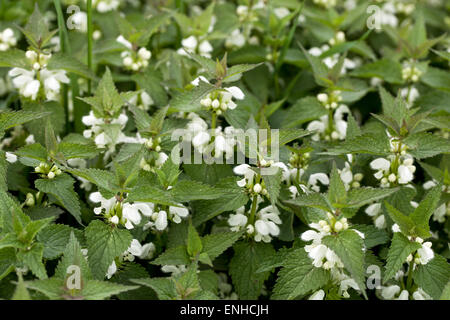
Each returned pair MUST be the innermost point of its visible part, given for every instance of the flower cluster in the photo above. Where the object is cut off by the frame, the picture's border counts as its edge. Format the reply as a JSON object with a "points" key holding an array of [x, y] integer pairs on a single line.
{"points": [[410, 72], [221, 100], [105, 5], [192, 44], [46, 170], [7, 39], [334, 130], [30, 82], [396, 171], [262, 226], [97, 130], [330, 101], [134, 60]]}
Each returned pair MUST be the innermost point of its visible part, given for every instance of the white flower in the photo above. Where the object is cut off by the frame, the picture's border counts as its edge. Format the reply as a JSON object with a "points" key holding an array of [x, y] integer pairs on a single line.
{"points": [[191, 44], [105, 204], [111, 270], [388, 293], [25, 82], [424, 254], [105, 5], [7, 39], [237, 221], [173, 269], [405, 174], [419, 294], [145, 251], [318, 295], [178, 212], [79, 19], [161, 220], [236, 39], [10, 157], [315, 178]]}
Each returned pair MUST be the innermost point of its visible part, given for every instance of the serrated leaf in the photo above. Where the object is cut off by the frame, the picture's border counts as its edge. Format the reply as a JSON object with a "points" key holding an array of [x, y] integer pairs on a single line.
{"points": [[243, 265], [105, 243], [189, 101], [188, 190], [312, 200], [273, 185], [216, 243], [424, 211], [99, 290], [433, 276], [194, 243], [336, 190], [55, 238], [405, 222], [348, 246], [399, 250], [164, 287], [424, 145], [32, 258], [298, 277], [61, 187], [365, 195], [173, 256]]}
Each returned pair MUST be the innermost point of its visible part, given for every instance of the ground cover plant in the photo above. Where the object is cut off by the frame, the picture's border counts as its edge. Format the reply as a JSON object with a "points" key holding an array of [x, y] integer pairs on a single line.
{"points": [[242, 149]]}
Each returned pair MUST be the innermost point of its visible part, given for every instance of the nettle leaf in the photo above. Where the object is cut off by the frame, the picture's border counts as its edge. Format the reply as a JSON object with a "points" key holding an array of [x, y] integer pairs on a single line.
{"points": [[55, 238], [36, 30], [61, 187], [401, 248], [189, 101], [349, 247], [299, 277], [33, 151], [14, 58], [365, 195], [312, 200], [234, 197], [32, 258], [372, 235], [370, 143], [386, 69], [194, 243], [336, 191], [151, 82], [273, 185], [73, 257], [164, 287], [234, 73], [243, 266], [304, 110], [105, 243], [188, 190], [11, 119], [424, 211], [61, 61], [425, 145], [105, 180], [173, 256], [406, 224], [216, 243], [433, 276]]}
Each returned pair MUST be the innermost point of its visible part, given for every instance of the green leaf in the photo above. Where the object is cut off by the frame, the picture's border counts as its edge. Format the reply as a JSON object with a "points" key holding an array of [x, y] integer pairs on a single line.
{"points": [[304, 110], [273, 185], [312, 200], [243, 266], [406, 224], [188, 190], [11, 119], [235, 72], [369, 143], [424, 145], [164, 287], [21, 292], [433, 276], [336, 191], [189, 101], [424, 211], [365, 195], [349, 247], [100, 290], [73, 257], [173, 256], [61, 61], [299, 277], [386, 69], [32, 258], [194, 243], [151, 82], [105, 243], [101, 178], [233, 199], [216, 243], [52, 288], [74, 150], [372, 235], [152, 194], [34, 151], [61, 187], [14, 58], [55, 238], [401, 248], [446, 292]]}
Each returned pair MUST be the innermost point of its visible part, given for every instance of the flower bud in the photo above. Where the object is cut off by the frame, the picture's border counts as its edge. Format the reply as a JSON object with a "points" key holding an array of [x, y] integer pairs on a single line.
{"points": [[257, 188]]}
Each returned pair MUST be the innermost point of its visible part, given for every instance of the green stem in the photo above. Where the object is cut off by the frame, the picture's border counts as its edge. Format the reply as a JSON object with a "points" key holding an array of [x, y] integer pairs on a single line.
{"points": [[409, 279], [253, 210], [90, 40]]}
